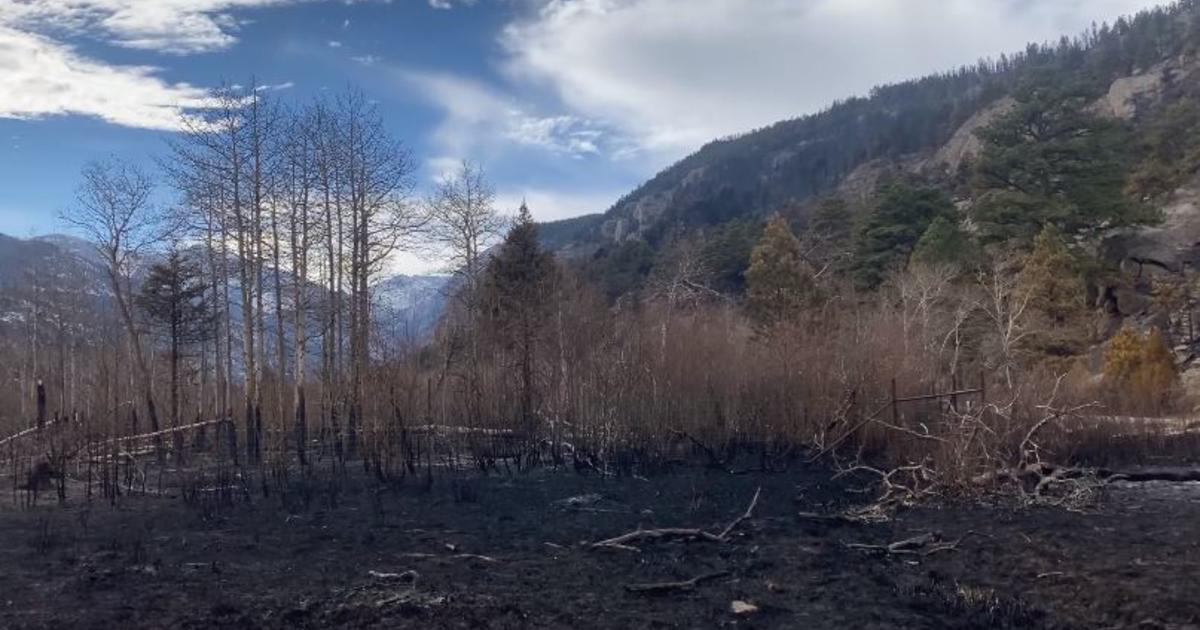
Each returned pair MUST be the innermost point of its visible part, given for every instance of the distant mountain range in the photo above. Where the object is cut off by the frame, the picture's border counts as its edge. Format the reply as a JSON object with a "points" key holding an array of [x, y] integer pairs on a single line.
{"points": [[407, 305]]}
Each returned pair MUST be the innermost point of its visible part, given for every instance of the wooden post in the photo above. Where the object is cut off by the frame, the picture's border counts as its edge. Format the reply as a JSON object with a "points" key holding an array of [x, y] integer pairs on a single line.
{"points": [[982, 392], [954, 392], [895, 412], [41, 405]]}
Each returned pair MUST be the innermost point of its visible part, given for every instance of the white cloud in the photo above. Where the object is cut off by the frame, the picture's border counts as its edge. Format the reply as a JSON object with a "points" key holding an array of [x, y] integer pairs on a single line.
{"points": [[275, 87], [675, 76], [333, 43], [551, 205], [171, 26], [42, 77], [446, 5], [477, 118], [366, 60]]}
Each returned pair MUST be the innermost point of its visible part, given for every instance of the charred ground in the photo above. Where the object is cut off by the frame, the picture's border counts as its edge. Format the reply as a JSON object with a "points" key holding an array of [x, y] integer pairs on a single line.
{"points": [[516, 552]]}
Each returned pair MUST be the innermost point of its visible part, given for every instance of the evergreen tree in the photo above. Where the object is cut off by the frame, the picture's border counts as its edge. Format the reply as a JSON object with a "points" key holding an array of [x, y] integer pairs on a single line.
{"points": [[778, 282], [831, 220], [726, 254], [621, 268], [173, 297], [520, 281], [1051, 162], [1056, 296], [903, 214], [829, 237], [944, 243], [1170, 149]]}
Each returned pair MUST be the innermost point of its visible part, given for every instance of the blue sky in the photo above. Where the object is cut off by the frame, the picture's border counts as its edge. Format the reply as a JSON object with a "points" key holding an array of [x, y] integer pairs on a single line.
{"points": [[568, 103]]}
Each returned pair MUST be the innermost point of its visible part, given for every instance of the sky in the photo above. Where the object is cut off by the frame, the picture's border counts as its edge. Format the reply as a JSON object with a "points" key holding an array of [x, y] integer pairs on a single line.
{"points": [[567, 104]]}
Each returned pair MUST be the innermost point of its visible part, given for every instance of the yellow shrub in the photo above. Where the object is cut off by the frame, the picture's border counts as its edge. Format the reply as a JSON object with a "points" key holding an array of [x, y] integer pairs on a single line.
{"points": [[1141, 370]]}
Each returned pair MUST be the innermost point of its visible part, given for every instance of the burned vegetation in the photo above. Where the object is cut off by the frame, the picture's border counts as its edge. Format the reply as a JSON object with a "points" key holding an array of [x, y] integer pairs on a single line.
{"points": [[927, 402]]}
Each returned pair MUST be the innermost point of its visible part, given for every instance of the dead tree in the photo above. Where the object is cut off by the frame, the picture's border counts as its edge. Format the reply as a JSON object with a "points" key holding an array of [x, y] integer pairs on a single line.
{"points": [[114, 211]]}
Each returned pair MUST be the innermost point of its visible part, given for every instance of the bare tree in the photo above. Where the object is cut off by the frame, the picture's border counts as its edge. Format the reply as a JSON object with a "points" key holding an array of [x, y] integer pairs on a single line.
{"points": [[1006, 307], [299, 196], [228, 157], [378, 182], [464, 222], [114, 211]]}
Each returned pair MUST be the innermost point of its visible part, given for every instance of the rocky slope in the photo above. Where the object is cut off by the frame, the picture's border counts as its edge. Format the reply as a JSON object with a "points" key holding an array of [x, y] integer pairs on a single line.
{"points": [[924, 127]]}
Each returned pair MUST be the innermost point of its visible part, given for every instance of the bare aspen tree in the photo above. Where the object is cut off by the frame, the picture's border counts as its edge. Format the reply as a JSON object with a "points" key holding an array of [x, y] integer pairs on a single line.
{"points": [[114, 210], [378, 183], [464, 222], [261, 116], [230, 152], [299, 187], [327, 192]]}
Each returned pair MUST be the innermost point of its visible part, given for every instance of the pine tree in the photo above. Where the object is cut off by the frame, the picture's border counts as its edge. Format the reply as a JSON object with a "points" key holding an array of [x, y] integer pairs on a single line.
{"points": [[519, 286], [1051, 162], [726, 254], [902, 216], [1056, 297], [829, 237], [173, 298], [778, 282], [944, 243], [1170, 149], [832, 220]]}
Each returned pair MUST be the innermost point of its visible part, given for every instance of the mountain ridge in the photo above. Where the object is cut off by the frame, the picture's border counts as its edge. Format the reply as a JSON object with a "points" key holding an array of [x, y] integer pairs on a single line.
{"points": [[923, 127]]}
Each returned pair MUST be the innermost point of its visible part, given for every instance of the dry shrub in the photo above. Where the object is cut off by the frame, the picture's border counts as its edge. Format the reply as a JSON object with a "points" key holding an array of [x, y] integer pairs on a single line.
{"points": [[1140, 372], [646, 383]]}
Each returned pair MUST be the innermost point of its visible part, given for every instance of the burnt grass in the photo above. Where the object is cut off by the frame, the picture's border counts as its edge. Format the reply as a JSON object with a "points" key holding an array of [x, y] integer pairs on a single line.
{"points": [[509, 551]]}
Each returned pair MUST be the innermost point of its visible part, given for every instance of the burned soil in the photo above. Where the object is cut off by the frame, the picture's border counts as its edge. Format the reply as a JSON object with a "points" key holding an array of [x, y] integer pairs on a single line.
{"points": [[517, 552]]}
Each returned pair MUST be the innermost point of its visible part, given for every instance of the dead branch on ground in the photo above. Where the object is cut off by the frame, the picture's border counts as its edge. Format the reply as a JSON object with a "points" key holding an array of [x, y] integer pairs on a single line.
{"points": [[666, 587], [404, 576], [922, 545], [685, 533]]}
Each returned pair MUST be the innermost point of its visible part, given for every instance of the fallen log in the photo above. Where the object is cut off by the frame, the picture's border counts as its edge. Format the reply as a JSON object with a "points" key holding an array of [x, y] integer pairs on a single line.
{"points": [[1165, 474]]}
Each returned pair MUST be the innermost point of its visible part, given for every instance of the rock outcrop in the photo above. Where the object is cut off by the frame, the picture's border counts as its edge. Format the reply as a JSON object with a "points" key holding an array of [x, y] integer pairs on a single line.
{"points": [[964, 146]]}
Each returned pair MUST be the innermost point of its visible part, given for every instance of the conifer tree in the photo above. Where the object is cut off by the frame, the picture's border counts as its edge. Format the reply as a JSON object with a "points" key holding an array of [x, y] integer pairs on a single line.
{"points": [[829, 238], [173, 297], [520, 282], [944, 243], [1051, 162], [1056, 296], [778, 282], [887, 239]]}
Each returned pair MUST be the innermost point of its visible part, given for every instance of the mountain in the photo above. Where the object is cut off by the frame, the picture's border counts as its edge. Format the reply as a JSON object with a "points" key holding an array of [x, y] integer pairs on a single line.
{"points": [[67, 264], [409, 306], [923, 129], [19, 257]]}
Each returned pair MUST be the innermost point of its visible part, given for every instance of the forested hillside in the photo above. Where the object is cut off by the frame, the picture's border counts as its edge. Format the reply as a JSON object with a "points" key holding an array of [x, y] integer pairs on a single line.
{"points": [[1124, 93]]}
